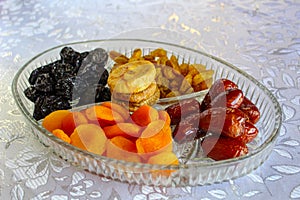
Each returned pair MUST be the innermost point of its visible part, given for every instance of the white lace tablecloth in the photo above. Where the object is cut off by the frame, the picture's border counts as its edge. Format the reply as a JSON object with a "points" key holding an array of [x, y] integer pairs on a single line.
{"points": [[260, 37]]}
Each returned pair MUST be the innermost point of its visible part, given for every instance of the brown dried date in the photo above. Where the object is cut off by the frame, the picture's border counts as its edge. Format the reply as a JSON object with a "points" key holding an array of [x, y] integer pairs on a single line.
{"points": [[187, 129], [219, 86], [232, 98], [250, 109], [228, 122], [182, 109], [249, 134], [221, 148], [225, 121]]}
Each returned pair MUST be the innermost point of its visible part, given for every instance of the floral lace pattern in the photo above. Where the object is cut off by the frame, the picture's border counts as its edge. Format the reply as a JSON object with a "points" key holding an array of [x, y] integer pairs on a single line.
{"points": [[260, 37]]}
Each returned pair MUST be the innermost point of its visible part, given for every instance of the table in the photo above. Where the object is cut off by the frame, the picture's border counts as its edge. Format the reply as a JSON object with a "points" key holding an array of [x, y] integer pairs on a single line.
{"points": [[260, 37]]}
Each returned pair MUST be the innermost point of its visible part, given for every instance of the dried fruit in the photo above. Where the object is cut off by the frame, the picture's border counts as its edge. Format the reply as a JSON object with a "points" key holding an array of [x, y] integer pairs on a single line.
{"points": [[144, 115], [219, 86], [53, 86], [251, 110], [182, 109], [173, 78], [222, 148], [89, 137]]}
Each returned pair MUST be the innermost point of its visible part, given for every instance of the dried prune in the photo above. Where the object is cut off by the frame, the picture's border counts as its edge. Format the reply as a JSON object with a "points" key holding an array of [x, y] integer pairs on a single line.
{"points": [[43, 69], [53, 86], [32, 94], [102, 94], [94, 62], [45, 104], [44, 83], [64, 87], [68, 55], [103, 78]]}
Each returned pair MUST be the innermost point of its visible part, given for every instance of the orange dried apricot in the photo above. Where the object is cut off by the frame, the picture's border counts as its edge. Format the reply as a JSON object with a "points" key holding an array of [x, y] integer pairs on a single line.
{"points": [[163, 115], [163, 158], [117, 108], [104, 115], [54, 119], [144, 115], [155, 137], [122, 148], [61, 135], [127, 130], [71, 121], [89, 137]]}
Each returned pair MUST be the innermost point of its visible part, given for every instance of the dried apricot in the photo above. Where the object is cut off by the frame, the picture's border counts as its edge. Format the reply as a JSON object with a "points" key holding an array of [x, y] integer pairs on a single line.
{"points": [[54, 119], [144, 115], [104, 115], [117, 108], [71, 121], [61, 135], [122, 148], [89, 137], [127, 130], [155, 137]]}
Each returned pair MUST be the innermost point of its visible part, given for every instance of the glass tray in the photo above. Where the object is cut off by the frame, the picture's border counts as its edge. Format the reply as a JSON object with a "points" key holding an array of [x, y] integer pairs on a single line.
{"points": [[192, 170]]}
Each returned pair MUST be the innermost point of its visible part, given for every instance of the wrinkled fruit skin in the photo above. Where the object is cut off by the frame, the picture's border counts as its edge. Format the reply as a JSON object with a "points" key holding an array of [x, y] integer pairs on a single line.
{"points": [[232, 98], [187, 129], [182, 109], [224, 113], [74, 76], [222, 148], [251, 110], [249, 134], [219, 86], [227, 121], [219, 121]]}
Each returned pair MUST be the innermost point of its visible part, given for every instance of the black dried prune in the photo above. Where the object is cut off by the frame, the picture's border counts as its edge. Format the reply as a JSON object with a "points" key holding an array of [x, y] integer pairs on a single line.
{"points": [[102, 94], [80, 86], [94, 62], [68, 55], [88, 96], [98, 55], [104, 77], [45, 104], [44, 83], [63, 70], [40, 70], [75, 76], [32, 94], [64, 87]]}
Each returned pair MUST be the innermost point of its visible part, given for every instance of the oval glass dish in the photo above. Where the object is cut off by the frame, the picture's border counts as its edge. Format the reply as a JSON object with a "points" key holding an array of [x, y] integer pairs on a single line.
{"points": [[192, 170]]}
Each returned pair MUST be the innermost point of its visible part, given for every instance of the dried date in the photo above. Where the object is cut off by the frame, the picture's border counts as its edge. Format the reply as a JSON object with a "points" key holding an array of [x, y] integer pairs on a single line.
{"points": [[219, 86], [225, 121], [251, 110], [222, 148], [249, 134], [182, 109]]}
